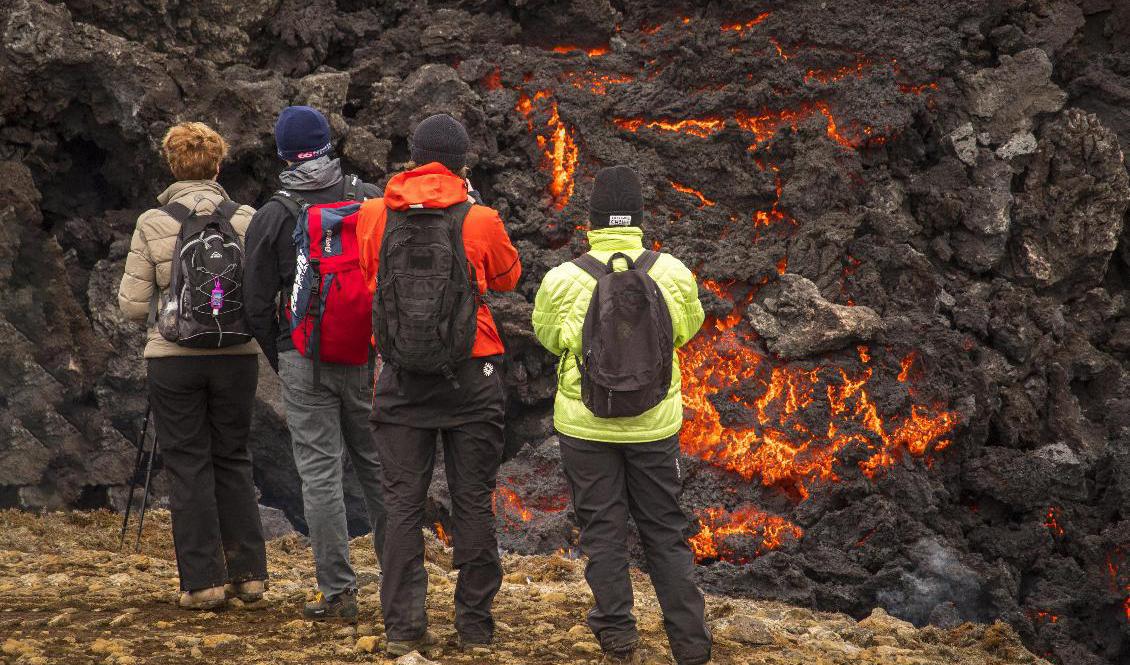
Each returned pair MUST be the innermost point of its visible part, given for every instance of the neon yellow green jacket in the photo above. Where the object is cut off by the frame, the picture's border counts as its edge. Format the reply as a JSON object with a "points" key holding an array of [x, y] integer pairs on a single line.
{"points": [[559, 314]]}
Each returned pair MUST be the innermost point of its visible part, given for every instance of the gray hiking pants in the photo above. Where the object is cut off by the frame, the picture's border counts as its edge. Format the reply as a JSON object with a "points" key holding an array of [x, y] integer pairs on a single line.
{"points": [[609, 481], [326, 421]]}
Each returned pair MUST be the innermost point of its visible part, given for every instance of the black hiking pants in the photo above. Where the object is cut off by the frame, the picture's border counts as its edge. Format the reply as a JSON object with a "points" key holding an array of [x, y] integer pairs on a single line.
{"points": [[408, 415], [609, 482], [202, 406]]}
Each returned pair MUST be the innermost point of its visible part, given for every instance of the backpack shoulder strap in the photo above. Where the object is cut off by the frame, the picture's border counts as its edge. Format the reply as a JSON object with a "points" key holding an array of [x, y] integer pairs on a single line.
{"points": [[591, 265], [352, 190], [293, 203], [177, 211], [645, 261], [226, 210]]}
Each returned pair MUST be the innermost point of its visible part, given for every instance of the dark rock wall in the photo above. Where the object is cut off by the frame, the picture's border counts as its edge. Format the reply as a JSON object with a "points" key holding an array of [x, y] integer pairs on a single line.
{"points": [[941, 185]]}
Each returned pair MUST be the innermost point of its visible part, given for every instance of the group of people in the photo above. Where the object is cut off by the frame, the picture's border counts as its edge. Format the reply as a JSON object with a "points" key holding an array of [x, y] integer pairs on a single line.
{"points": [[368, 304]]}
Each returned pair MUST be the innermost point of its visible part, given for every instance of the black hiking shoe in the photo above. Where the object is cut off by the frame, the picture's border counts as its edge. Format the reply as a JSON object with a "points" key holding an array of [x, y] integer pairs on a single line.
{"points": [[424, 644], [341, 606]]}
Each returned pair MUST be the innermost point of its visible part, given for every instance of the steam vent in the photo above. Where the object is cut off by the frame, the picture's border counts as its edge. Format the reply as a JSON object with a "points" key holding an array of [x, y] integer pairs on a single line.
{"points": [[907, 219]]}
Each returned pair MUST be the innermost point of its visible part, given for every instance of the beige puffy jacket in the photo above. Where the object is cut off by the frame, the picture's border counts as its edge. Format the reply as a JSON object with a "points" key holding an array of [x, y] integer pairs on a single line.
{"points": [[149, 263]]}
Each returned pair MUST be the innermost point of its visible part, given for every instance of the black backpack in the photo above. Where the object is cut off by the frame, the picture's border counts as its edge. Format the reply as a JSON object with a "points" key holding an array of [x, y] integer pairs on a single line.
{"points": [[203, 307], [427, 296], [627, 340]]}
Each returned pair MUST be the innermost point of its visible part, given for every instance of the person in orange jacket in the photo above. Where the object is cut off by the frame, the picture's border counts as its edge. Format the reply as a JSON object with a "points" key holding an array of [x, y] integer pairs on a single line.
{"points": [[440, 375]]}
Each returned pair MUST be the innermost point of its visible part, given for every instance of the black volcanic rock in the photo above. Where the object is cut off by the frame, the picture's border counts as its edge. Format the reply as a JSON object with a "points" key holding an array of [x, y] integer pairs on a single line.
{"points": [[955, 168]]}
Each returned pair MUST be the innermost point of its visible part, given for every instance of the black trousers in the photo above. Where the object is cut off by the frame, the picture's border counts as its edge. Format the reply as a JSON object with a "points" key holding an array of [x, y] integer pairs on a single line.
{"points": [[472, 452], [609, 481], [202, 406]]}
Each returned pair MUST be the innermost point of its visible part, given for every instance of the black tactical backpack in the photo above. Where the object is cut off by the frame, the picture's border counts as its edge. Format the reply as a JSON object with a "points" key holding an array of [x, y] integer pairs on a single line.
{"points": [[427, 296], [203, 307], [627, 340]]}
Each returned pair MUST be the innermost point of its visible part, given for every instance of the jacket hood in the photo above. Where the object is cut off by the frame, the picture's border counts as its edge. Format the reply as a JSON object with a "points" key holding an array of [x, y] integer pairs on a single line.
{"points": [[183, 188], [431, 185], [616, 239]]}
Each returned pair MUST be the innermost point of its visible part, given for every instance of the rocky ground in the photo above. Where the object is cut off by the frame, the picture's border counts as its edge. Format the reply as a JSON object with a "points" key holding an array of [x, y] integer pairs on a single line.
{"points": [[71, 597]]}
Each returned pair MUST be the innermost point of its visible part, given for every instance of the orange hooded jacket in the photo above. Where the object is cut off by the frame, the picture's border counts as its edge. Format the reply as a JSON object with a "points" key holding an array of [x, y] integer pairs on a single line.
{"points": [[484, 237]]}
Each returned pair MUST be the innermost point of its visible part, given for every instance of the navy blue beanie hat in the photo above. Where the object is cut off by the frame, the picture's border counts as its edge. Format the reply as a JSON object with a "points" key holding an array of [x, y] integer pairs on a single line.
{"points": [[302, 134]]}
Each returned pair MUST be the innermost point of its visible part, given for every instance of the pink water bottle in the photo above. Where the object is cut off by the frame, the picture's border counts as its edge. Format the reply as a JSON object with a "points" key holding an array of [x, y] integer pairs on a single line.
{"points": [[217, 297]]}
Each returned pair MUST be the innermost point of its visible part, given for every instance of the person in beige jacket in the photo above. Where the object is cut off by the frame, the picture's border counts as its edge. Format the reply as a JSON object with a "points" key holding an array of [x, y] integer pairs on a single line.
{"points": [[201, 399]]}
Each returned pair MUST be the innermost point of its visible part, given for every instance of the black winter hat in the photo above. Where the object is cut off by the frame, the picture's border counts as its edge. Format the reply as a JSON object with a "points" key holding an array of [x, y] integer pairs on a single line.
{"points": [[440, 138], [616, 199], [301, 134]]}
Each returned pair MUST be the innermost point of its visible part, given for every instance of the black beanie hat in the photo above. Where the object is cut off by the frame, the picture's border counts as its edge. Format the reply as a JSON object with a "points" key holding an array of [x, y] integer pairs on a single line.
{"points": [[440, 138], [302, 134], [616, 199]]}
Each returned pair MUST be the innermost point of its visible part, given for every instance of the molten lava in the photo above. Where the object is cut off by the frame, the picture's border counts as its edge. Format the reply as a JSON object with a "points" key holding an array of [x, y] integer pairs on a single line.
{"points": [[442, 535], [717, 526], [508, 504], [592, 52], [596, 83], [702, 128], [776, 445], [559, 148], [703, 201], [741, 27]]}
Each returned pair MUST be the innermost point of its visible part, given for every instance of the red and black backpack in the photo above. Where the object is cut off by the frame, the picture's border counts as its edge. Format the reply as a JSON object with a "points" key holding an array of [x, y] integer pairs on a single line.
{"points": [[329, 307]]}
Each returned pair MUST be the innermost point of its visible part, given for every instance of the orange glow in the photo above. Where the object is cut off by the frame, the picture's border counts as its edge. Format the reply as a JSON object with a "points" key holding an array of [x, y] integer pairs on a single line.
{"points": [[911, 89], [596, 83], [778, 447], [783, 265], [740, 27], [1040, 616], [591, 52], [507, 503], [833, 75], [1051, 521], [780, 51], [442, 535], [559, 148], [701, 127], [493, 80], [717, 525], [762, 125], [703, 201], [864, 353], [906, 364]]}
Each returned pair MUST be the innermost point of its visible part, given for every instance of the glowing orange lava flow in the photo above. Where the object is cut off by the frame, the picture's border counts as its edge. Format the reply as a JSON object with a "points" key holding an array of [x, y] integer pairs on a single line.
{"points": [[591, 52], [559, 148], [442, 535], [740, 27], [595, 83], [717, 525], [507, 503], [762, 125], [695, 127], [772, 440], [693, 192]]}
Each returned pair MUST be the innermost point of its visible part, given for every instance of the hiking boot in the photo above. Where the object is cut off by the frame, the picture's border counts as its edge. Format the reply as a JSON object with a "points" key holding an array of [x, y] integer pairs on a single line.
{"points": [[467, 643], [424, 644], [341, 606], [625, 655], [202, 599], [249, 591]]}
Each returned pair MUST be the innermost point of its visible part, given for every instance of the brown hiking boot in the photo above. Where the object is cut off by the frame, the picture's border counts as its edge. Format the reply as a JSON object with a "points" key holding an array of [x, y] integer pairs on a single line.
{"points": [[202, 599], [424, 644], [249, 591]]}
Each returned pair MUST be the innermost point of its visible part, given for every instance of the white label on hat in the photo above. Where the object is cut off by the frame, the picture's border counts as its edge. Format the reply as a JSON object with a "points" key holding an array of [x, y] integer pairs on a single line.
{"points": [[619, 220]]}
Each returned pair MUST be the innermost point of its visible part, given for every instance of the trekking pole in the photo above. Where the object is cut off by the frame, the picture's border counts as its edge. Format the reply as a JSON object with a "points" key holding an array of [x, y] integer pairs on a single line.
{"points": [[133, 478], [145, 494]]}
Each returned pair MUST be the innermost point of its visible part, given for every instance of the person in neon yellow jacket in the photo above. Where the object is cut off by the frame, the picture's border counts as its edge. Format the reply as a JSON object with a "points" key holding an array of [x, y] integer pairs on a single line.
{"points": [[625, 465]]}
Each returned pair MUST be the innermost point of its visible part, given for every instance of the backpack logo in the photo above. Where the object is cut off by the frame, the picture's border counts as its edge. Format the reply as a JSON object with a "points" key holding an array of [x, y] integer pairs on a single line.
{"points": [[619, 220], [488, 369], [216, 255]]}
